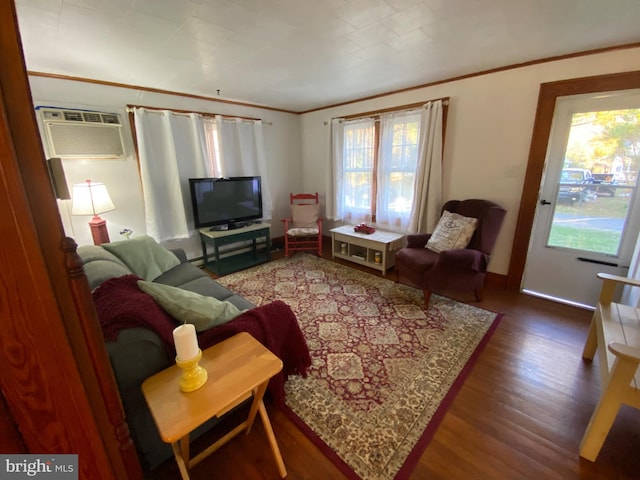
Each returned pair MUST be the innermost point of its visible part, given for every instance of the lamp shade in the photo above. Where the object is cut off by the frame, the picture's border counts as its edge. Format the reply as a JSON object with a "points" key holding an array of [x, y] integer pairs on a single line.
{"points": [[91, 198]]}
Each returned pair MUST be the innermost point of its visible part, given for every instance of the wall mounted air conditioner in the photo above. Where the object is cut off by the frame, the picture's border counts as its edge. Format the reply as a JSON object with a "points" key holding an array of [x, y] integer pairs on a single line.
{"points": [[82, 134]]}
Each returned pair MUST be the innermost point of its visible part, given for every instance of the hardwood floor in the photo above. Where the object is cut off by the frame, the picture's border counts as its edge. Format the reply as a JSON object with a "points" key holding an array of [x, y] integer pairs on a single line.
{"points": [[520, 414]]}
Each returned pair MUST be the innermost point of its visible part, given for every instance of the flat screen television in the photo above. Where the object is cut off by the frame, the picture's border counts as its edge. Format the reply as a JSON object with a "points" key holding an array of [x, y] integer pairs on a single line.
{"points": [[226, 203]]}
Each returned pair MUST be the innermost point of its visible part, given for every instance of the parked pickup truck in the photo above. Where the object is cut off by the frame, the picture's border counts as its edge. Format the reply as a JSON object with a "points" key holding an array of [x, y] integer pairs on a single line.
{"points": [[576, 186], [604, 184]]}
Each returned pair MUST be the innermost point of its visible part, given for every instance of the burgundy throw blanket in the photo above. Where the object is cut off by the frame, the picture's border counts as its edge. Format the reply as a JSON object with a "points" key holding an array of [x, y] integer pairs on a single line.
{"points": [[121, 304]]}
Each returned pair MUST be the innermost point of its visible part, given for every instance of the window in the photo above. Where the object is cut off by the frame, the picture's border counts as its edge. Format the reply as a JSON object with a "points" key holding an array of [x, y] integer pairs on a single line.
{"points": [[397, 166], [387, 167], [213, 145], [380, 158], [359, 160]]}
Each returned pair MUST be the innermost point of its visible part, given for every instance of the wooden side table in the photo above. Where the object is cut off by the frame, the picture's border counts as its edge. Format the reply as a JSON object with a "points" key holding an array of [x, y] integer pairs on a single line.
{"points": [[238, 368]]}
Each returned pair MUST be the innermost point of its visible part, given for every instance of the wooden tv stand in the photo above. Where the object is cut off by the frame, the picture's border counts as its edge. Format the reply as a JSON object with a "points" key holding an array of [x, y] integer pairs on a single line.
{"points": [[239, 255]]}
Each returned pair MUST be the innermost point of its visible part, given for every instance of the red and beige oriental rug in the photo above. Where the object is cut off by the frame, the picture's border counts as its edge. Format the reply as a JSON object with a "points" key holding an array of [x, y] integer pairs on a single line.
{"points": [[384, 370]]}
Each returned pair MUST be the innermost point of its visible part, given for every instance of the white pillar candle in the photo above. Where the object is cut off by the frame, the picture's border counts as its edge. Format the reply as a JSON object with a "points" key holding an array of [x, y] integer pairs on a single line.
{"points": [[186, 342]]}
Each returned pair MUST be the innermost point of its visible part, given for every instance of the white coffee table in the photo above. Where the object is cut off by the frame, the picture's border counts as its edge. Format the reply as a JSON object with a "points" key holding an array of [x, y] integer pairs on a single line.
{"points": [[375, 250]]}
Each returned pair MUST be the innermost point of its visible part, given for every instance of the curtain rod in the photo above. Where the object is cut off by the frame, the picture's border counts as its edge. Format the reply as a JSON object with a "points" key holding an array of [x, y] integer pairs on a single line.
{"points": [[373, 113], [188, 112]]}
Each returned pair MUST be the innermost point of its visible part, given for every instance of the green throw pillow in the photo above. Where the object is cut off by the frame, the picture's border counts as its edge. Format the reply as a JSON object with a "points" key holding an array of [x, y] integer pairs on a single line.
{"points": [[145, 257], [190, 307]]}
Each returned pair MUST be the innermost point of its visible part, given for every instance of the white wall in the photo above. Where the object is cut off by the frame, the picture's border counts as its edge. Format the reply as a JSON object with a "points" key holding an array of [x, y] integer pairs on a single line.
{"points": [[488, 132], [486, 150], [282, 143]]}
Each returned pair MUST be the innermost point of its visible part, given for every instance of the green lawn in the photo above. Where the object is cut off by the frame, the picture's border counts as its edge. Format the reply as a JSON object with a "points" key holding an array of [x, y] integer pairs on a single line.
{"points": [[615, 207], [590, 239]]}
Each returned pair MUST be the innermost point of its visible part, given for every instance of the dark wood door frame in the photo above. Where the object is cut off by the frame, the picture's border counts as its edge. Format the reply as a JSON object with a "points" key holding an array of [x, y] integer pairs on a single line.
{"points": [[549, 92], [56, 380]]}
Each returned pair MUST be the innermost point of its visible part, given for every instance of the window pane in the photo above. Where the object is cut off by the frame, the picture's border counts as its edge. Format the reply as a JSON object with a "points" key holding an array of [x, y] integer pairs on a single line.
{"points": [[358, 147], [401, 192], [598, 181], [358, 157], [357, 190], [399, 169], [213, 147]]}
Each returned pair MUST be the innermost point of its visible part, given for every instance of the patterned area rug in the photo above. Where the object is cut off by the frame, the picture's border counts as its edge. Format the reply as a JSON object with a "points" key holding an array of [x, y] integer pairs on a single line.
{"points": [[384, 370]]}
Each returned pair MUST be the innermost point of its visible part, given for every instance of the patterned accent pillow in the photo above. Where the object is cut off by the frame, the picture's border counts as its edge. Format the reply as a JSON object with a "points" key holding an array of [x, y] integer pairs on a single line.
{"points": [[452, 232]]}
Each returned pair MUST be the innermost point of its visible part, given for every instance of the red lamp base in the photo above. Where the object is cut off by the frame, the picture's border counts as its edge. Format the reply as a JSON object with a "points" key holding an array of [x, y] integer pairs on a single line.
{"points": [[99, 230]]}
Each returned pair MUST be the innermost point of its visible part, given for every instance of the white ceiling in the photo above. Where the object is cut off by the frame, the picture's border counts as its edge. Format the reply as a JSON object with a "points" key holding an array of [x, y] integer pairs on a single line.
{"points": [[303, 54]]}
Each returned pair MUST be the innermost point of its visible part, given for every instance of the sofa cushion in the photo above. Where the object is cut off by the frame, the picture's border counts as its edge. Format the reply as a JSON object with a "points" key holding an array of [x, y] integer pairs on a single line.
{"points": [[452, 232], [100, 265], [190, 307], [191, 278], [181, 275], [144, 256]]}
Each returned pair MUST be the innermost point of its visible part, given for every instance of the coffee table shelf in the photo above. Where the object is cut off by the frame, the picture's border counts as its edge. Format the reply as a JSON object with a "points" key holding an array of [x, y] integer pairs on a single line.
{"points": [[375, 250]]}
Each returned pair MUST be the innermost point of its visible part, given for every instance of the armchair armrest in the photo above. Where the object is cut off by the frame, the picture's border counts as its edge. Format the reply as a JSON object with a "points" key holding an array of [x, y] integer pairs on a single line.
{"points": [[417, 240], [609, 284], [627, 352], [616, 278], [464, 258]]}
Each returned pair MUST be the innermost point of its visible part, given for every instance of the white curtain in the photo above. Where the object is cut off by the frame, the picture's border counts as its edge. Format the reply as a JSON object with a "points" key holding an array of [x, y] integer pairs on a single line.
{"points": [[172, 148], [427, 198], [397, 164], [334, 175], [409, 169], [354, 151], [242, 153]]}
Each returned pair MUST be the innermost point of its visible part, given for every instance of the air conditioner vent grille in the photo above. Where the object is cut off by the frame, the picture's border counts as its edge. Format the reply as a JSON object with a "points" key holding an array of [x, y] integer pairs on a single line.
{"points": [[73, 116], [82, 134], [92, 117], [110, 118]]}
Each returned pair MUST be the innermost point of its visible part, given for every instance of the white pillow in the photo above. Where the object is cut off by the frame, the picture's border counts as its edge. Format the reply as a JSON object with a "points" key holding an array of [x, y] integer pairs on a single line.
{"points": [[452, 232], [305, 216]]}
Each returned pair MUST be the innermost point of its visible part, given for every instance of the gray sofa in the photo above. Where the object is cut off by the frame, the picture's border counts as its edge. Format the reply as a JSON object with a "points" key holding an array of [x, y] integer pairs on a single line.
{"points": [[138, 352]]}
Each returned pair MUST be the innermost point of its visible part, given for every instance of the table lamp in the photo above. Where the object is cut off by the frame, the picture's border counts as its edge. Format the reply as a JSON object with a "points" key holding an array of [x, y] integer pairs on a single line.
{"points": [[91, 198]]}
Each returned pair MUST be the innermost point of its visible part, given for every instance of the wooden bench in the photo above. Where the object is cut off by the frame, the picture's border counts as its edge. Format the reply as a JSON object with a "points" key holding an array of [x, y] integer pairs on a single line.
{"points": [[615, 334]]}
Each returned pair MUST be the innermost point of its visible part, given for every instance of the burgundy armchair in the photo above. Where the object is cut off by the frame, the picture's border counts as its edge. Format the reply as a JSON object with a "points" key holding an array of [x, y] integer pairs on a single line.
{"points": [[460, 270]]}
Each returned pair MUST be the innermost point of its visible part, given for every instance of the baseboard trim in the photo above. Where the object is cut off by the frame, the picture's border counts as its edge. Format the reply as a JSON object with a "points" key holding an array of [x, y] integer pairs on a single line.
{"points": [[495, 280]]}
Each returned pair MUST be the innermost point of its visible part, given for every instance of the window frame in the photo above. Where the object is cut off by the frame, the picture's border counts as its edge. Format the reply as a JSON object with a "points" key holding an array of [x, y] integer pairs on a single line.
{"points": [[375, 116]]}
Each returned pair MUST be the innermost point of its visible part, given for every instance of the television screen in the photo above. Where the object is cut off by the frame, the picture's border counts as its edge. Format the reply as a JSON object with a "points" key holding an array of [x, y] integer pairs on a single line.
{"points": [[226, 202]]}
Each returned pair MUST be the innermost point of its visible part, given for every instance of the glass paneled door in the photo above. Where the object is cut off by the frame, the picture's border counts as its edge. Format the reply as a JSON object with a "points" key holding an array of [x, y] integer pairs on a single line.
{"points": [[587, 218]]}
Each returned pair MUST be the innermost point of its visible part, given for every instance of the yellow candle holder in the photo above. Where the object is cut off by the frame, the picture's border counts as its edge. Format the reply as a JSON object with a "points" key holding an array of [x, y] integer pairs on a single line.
{"points": [[193, 375]]}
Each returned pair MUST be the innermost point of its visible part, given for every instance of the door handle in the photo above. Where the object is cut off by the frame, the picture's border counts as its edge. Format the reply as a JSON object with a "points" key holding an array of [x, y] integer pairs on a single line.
{"points": [[544, 202]]}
